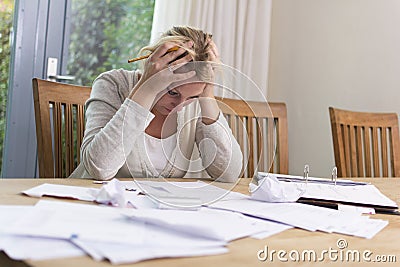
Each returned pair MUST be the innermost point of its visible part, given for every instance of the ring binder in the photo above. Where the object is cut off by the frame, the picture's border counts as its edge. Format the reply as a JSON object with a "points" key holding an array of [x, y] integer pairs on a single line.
{"points": [[306, 171], [334, 174]]}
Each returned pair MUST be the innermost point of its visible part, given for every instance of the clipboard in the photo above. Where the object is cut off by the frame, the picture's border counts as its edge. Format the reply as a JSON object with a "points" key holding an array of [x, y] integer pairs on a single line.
{"points": [[331, 193]]}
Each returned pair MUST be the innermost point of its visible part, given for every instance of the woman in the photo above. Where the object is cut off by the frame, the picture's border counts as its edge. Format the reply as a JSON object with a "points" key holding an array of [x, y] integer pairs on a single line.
{"points": [[162, 122]]}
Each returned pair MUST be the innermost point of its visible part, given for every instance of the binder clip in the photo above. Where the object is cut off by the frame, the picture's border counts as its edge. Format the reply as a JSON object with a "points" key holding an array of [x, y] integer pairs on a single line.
{"points": [[306, 171], [334, 175]]}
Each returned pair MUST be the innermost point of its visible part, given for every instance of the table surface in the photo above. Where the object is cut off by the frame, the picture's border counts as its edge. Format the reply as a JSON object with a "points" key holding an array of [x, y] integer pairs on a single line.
{"points": [[242, 252]]}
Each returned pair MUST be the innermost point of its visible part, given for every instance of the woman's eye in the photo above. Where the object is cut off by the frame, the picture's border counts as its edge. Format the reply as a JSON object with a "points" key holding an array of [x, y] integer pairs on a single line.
{"points": [[172, 92]]}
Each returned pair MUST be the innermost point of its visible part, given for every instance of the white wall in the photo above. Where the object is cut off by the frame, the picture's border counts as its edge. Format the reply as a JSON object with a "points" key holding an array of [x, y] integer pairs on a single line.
{"points": [[341, 53]]}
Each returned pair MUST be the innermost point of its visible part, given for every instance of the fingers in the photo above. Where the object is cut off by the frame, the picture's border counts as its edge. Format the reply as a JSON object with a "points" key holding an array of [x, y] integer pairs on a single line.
{"points": [[180, 62], [214, 54], [163, 56], [183, 76], [161, 50]]}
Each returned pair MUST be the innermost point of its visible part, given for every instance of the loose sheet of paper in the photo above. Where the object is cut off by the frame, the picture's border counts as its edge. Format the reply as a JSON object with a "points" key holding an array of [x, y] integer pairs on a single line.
{"points": [[23, 247], [363, 194], [186, 194], [127, 193], [206, 223], [55, 190], [311, 218], [56, 219]]}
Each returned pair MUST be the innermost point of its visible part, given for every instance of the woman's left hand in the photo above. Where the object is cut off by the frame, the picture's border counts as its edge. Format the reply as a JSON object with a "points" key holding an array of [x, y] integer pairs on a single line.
{"points": [[209, 106], [214, 59]]}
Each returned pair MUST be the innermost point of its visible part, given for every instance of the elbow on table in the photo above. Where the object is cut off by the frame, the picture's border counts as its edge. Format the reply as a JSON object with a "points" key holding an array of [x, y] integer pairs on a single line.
{"points": [[97, 168], [231, 172]]}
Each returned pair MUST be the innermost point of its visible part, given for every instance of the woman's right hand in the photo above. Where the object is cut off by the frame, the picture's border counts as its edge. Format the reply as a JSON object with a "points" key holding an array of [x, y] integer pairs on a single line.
{"points": [[159, 73]]}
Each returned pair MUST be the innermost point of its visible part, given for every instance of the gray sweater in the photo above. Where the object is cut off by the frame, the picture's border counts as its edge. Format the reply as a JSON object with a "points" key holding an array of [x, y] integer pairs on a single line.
{"points": [[114, 145]]}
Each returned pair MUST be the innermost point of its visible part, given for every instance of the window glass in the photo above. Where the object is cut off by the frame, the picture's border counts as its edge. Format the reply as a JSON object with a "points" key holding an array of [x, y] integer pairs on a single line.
{"points": [[6, 14], [104, 34]]}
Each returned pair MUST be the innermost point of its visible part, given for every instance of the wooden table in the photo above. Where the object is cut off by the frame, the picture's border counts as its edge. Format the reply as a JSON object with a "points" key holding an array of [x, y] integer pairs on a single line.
{"points": [[242, 252]]}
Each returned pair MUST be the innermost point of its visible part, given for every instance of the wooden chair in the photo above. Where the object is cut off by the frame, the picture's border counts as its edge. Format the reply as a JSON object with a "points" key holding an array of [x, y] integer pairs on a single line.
{"points": [[262, 133], [60, 123], [365, 144]]}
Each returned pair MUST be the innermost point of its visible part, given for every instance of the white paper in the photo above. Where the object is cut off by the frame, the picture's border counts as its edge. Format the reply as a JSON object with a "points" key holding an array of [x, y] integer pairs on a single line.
{"points": [[29, 248], [127, 253], [140, 201], [32, 248], [363, 194], [206, 223], [129, 185], [64, 191], [273, 229], [269, 189], [356, 209], [112, 193], [174, 194], [347, 191], [56, 219], [304, 216]]}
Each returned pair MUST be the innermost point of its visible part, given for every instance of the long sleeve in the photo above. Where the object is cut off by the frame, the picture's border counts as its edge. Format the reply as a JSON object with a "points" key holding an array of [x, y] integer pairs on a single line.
{"points": [[113, 125], [219, 150]]}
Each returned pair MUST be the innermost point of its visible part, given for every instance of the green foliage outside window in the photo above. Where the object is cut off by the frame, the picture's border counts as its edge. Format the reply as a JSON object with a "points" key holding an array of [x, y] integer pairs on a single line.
{"points": [[6, 12], [105, 33]]}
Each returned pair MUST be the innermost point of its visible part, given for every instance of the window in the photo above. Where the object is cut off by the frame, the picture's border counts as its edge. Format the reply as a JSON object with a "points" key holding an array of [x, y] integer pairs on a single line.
{"points": [[6, 14], [104, 34]]}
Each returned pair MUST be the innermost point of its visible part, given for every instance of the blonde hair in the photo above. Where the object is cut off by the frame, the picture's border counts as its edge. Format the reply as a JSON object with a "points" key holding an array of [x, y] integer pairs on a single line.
{"points": [[199, 51], [182, 34]]}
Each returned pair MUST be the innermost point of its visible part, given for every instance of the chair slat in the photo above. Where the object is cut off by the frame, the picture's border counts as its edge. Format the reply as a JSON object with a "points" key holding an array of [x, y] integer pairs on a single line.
{"points": [[272, 146], [241, 140], [359, 156], [367, 146], [353, 151], [375, 151], [346, 141], [392, 152], [249, 126], [261, 144], [385, 162], [69, 140], [231, 122], [58, 150], [80, 121]]}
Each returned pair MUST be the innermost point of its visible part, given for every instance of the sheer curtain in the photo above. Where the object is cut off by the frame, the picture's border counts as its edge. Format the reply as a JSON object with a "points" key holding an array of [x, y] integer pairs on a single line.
{"points": [[240, 28]]}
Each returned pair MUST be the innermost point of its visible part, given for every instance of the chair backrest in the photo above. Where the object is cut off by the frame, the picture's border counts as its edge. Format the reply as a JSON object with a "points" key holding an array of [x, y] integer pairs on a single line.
{"points": [[365, 144], [60, 125], [262, 133]]}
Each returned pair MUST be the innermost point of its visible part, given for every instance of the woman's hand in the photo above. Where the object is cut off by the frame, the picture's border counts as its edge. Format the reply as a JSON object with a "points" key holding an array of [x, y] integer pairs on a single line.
{"points": [[214, 59], [209, 106], [159, 73]]}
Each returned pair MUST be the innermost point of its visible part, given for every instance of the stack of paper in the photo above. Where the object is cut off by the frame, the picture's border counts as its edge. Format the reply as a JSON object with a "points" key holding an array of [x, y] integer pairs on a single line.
{"points": [[128, 235], [170, 220]]}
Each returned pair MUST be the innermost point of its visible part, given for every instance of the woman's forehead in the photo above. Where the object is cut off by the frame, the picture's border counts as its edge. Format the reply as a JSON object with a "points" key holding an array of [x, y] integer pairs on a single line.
{"points": [[192, 81], [192, 88]]}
